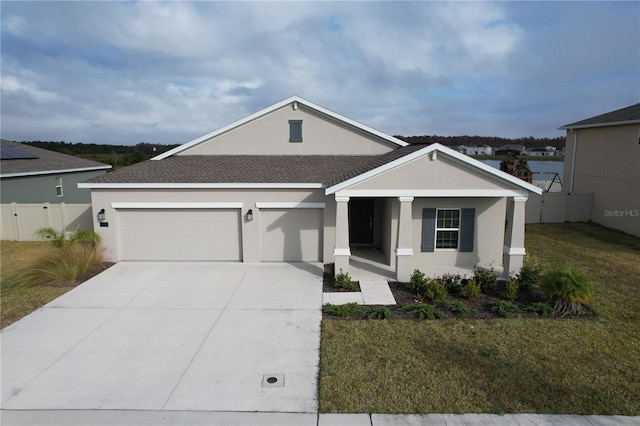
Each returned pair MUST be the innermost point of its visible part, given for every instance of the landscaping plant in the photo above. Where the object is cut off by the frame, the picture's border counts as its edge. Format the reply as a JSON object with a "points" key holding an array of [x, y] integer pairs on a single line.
{"points": [[436, 290], [343, 280], [472, 289], [502, 308], [486, 279], [569, 288], [542, 308], [511, 289], [528, 276], [418, 283], [346, 310], [423, 311]]}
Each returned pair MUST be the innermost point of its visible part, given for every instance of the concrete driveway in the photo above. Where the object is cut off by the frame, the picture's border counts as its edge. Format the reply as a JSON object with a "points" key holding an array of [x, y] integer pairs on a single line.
{"points": [[172, 336]]}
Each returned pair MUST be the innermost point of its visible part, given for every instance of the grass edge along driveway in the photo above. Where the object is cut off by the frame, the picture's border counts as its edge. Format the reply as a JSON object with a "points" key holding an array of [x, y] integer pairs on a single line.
{"points": [[563, 366]]}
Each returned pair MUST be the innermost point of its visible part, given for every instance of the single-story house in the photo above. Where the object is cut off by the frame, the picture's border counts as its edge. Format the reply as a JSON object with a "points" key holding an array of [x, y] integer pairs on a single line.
{"points": [[602, 157], [39, 188], [298, 182]]}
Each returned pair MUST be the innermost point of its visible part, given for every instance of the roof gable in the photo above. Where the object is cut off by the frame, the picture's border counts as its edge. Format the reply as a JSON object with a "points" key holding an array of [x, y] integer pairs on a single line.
{"points": [[456, 171], [627, 115], [43, 161], [261, 132]]}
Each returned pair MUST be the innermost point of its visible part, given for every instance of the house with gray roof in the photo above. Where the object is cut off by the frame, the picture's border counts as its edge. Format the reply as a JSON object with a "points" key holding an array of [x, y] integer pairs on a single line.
{"points": [[35, 183], [602, 157], [296, 182]]}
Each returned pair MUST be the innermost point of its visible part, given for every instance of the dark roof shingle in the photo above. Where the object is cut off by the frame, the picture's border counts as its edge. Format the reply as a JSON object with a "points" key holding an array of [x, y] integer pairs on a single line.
{"points": [[627, 114], [46, 161]]}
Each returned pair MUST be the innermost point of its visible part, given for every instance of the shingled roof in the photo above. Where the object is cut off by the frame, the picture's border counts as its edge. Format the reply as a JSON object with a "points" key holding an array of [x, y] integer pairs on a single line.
{"points": [[627, 115], [326, 170], [45, 162]]}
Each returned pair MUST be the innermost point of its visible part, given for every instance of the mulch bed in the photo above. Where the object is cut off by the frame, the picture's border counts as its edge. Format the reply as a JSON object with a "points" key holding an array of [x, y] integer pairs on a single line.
{"points": [[480, 307]]}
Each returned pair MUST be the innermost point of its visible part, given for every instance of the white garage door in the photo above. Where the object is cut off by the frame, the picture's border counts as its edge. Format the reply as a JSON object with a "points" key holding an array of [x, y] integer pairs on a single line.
{"points": [[180, 234], [292, 235]]}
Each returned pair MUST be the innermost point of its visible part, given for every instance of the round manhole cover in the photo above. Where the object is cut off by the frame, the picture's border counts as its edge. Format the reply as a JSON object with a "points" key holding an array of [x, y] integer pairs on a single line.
{"points": [[272, 379]]}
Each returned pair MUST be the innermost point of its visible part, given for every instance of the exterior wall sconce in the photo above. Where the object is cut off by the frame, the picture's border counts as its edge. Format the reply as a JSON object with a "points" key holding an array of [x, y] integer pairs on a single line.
{"points": [[250, 215], [101, 216]]}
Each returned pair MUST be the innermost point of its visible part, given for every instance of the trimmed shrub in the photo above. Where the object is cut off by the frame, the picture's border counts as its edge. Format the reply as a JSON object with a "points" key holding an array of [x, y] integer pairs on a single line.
{"points": [[472, 290], [343, 280], [378, 312], [570, 288], [511, 289], [486, 279], [459, 308], [528, 276], [436, 290], [418, 283], [452, 282], [346, 310], [542, 308]]}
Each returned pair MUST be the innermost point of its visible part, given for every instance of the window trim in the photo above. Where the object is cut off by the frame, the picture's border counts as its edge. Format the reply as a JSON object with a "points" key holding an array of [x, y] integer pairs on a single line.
{"points": [[458, 229], [59, 186], [295, 136]]}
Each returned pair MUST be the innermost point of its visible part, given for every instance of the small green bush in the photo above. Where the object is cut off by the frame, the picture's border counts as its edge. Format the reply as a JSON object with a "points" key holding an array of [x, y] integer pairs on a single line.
{"points": [[502, 308], [570, 288], [511, 289], [472, 290], [542, 308], [452, 282], [423, 311], [343, 280], [528, 276], [418, 283], [486, 278], [378, 312], [436, 290], [459, 308], [346, 310]]}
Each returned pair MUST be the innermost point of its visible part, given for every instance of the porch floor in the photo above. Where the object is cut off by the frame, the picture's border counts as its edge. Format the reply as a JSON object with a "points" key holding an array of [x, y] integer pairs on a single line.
{"points": [[367, 264]]}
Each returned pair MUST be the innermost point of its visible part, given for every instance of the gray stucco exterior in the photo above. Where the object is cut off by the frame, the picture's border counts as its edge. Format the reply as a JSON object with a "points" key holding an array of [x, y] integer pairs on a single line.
{"points": [[42, 188]]}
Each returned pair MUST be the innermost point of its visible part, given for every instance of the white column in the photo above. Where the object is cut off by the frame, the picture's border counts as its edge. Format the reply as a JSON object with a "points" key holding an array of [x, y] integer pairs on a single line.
{"points": [[404, 249], [341, 250], [514, 239]]}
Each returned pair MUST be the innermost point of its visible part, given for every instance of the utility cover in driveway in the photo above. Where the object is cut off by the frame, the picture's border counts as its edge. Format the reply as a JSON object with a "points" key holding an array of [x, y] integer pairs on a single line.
{"points": [[180, 234]]}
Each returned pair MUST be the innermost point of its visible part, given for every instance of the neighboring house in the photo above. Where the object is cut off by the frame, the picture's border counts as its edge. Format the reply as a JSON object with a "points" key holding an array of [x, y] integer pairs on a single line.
{"points": [[476, 150], [298, 182], [546, 151], [37, 179], [511, 148], [602, 156]]}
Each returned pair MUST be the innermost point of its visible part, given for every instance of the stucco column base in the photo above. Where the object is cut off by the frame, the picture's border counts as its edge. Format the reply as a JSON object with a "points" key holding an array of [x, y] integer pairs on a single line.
{"points": [[512, 264], [404, 265], [341, 262]]}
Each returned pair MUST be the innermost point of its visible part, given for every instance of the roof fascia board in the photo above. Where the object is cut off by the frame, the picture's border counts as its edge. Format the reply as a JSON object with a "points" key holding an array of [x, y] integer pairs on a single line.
{"points": [[102, 185], [433, 193], [269, 110], [588, 126], [462, 158], [53, 172], [118, 205]]}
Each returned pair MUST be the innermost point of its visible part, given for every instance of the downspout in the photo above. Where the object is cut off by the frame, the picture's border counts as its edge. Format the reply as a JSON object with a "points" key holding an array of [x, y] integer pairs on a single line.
{"points": [[573, 158]]}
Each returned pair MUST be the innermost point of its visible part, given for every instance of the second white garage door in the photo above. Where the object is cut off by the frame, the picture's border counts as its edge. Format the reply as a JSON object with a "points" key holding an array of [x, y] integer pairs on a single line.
{"points": [[292, 235], [180, 234]]}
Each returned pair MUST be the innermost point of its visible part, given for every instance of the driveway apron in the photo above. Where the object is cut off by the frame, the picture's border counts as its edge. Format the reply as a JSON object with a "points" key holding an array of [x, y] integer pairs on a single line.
{"points": [[172, 336]]}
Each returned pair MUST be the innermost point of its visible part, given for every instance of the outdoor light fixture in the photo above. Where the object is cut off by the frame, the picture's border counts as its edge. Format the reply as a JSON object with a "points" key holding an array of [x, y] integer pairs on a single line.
{"points": [[250, 215], [101, 216]]}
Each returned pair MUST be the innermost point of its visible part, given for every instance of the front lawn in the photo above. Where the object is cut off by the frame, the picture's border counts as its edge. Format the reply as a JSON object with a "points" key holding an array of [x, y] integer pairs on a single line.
{"points": [[536, 365], [15, 303]]}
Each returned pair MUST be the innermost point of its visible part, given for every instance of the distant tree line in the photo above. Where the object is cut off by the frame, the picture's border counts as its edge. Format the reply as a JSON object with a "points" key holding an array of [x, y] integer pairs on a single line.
{"points": [[492, 141], [116, 155]]}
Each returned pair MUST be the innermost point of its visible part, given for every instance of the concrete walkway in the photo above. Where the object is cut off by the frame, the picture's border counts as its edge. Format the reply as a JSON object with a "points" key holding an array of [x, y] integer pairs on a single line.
{"points": [[196, 418], [372, 292]]}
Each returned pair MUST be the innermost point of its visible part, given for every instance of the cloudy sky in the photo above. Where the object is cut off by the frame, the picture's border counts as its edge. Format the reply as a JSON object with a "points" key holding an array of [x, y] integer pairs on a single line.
{"points": [[167, 72]]}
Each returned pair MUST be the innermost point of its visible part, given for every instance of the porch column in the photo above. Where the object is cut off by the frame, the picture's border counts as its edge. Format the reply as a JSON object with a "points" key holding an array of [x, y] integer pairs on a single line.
{"points": [[341, 250], [404, 250], [514, 239]]}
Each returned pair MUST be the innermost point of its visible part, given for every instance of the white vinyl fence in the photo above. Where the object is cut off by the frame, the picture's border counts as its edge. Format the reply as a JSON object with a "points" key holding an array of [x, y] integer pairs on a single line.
{"points": [[558, 207], [19, 222]]}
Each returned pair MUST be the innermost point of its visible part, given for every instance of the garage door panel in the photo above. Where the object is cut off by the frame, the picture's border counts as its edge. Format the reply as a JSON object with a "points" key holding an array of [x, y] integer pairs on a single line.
{"points": [[180, 234], [291, 235]]}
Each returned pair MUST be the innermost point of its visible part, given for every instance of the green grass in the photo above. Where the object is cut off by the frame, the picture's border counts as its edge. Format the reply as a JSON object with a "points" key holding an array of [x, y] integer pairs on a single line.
{"points": [[16, 302], [581, 366]]}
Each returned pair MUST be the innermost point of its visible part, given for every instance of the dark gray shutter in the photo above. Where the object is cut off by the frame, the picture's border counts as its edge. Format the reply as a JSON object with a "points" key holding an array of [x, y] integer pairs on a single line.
{"points": [[428, 230], [467, 229], [295, 130]]}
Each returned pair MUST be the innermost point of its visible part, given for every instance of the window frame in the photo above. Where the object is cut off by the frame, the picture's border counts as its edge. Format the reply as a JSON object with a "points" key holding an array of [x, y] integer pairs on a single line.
{"points": [[59, 188], [438, 229]]}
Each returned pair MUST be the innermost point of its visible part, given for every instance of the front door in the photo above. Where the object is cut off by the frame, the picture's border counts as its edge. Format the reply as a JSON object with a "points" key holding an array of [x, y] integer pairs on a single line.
{"points": [[361, 221]]}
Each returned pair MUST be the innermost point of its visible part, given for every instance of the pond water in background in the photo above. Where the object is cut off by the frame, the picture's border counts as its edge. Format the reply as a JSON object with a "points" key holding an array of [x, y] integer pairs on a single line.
{"points": [[536, 167]]}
